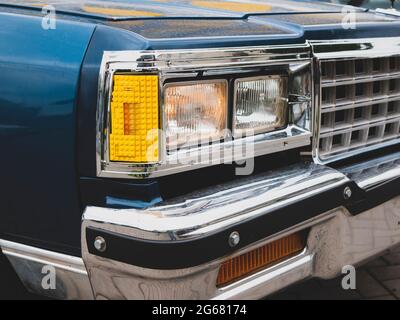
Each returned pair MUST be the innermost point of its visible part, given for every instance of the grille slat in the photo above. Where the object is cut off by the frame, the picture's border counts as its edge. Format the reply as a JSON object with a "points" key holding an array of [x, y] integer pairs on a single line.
{"points": [[350, 95], [359, 80], [352, 105], [341, 130], [360, 104]]}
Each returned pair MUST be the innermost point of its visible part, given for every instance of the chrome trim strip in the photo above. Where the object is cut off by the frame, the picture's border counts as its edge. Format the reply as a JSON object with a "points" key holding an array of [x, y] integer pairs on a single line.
{"points": [[200, 215], [72, 280], [62, 261], [355, 48], [173, 64], [374, 172], [390, 12]]}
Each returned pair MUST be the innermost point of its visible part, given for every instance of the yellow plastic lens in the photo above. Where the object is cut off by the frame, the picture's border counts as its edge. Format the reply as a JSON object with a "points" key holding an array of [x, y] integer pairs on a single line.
{"points": [[134, 119], [195, 113]]}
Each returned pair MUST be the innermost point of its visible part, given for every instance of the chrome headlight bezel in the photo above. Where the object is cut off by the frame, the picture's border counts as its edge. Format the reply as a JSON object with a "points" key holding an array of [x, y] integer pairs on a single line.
{"points": [[189, 65]]}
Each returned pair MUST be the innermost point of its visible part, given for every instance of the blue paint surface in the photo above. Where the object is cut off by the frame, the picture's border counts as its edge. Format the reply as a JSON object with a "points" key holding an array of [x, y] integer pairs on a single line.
{"points": [[39, 70]]}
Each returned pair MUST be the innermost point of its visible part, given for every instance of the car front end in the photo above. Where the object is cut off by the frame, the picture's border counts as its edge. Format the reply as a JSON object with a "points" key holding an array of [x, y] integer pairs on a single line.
{"points": [[233, 157]]}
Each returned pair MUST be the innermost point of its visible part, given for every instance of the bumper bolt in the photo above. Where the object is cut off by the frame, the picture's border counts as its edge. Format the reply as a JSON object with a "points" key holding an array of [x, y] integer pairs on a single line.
{"points": [[234, 239], [347, 193], [100, 244]]}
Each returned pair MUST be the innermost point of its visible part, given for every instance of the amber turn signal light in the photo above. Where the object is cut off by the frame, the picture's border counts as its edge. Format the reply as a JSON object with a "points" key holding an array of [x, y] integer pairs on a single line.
{"points": [[134, 119], [259, 258]]}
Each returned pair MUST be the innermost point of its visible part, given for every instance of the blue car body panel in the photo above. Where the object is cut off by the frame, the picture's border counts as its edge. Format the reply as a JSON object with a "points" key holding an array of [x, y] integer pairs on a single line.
{"points": [[40, 72], [48, 93]]}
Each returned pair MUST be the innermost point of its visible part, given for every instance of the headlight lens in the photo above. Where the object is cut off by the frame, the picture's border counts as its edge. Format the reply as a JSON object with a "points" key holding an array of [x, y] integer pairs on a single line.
{"points": [[195, 113], [260, 105]]}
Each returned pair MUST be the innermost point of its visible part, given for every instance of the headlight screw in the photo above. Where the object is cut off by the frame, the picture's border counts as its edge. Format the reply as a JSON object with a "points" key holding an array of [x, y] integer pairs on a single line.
{"points": [[234, 239], [347, 193], [100, 244]]}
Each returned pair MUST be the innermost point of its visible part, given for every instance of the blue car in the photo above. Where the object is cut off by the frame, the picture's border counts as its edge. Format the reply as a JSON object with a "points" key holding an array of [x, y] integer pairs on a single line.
{"points": [[177, 149]]}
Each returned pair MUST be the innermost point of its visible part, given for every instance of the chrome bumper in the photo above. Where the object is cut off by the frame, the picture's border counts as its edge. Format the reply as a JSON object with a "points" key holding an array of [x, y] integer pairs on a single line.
{"points": [[174, 250]]}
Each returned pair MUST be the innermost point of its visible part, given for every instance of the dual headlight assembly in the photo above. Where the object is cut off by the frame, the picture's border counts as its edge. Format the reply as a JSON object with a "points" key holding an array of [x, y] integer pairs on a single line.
{"points": [[148, 116]]}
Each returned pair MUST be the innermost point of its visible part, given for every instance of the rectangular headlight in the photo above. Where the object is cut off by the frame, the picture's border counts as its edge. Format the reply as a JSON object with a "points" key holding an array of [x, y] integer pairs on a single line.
{"points": [[195, 113], [260, 105]]}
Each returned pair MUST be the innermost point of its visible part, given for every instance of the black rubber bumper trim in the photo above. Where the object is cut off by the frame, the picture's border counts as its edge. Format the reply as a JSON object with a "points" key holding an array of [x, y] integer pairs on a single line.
{"points": [[168, 255], [373, 197]]}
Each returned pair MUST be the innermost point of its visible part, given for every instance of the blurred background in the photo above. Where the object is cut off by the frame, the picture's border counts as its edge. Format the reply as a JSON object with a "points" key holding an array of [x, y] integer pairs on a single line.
{"points": [[370, 4]]}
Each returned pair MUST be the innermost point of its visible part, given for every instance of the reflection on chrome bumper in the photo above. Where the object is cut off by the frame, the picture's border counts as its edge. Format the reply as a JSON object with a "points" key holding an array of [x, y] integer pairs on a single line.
{"points": [[174, 250], [71, 278], [212, 210], [336, 239]]}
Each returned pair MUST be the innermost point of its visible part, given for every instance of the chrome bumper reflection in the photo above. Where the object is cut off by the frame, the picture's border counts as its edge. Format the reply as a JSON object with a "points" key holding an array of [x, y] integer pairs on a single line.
{"points": [[211, 210], [32, 266], [336, 239], [374, 172]]}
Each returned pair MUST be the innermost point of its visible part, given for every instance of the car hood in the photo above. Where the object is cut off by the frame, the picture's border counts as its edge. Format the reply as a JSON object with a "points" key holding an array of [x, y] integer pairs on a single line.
{"points": [[197, 23], [177, 8]]}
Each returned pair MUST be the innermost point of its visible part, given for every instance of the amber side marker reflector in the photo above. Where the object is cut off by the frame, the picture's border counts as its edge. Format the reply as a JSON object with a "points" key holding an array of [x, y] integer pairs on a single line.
{"points": [[259, 258]]}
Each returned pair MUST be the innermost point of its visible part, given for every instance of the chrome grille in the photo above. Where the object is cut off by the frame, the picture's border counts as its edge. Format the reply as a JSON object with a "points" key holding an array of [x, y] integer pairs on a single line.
{"points": [[359, 105]]}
